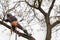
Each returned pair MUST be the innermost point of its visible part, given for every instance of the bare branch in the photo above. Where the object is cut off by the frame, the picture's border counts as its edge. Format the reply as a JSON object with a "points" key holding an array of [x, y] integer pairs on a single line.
{"points": [[14, 6], [31, 5], [55, 17], [42, 11], [17, 32], [51, 7], [40, 2], [55, 23]]}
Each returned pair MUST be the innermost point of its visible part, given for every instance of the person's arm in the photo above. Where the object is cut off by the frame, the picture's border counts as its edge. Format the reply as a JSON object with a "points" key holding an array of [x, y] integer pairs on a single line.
{"points": [[6, 20], [13, 18]]}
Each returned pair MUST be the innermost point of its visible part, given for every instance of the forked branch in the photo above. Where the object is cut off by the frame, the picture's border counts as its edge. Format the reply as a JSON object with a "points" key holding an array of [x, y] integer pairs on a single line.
{"points": [[40, 9]]}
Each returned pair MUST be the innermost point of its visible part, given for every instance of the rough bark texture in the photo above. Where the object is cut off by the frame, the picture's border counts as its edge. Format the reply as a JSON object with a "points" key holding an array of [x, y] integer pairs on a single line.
{"points": [[48, 35], [46, 15]]}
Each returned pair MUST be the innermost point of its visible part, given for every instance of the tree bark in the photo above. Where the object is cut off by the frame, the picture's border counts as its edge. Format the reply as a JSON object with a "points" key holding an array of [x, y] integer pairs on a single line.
{"points": [[48, 35]]}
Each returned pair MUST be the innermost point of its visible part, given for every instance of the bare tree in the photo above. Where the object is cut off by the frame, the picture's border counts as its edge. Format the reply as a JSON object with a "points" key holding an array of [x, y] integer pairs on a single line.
{"points": [[46, 16], [36, 4], [6, 10]]}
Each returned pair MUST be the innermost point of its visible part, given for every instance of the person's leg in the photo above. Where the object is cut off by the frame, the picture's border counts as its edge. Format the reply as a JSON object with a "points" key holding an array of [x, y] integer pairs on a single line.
{"points": [[13, 28], [24, 30]]}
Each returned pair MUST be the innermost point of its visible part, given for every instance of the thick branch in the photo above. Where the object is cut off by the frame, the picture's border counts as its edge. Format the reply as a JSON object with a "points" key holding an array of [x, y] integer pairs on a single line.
{"points": [[31, 5], [51, 7], [17, 32], [55, 23], [40, 9], [40, 2], [11, 9]]}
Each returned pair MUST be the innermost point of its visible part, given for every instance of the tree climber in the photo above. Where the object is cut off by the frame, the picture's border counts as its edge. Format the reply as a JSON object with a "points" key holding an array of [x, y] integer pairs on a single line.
{"points": [[14, 23]]}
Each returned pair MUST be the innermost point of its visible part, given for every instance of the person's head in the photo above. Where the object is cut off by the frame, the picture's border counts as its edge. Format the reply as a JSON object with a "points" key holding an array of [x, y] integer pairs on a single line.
{"points": [[9, 15]]}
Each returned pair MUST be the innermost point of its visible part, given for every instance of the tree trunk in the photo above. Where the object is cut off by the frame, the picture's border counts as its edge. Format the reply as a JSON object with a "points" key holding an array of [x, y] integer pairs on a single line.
{"points": [[48, 35]]}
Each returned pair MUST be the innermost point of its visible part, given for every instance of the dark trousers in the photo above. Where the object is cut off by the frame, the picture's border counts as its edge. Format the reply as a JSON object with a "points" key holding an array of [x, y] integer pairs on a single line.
{"points": [[20, 27]]}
